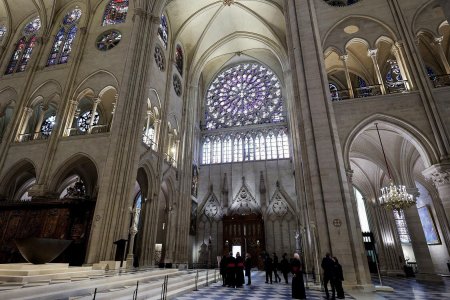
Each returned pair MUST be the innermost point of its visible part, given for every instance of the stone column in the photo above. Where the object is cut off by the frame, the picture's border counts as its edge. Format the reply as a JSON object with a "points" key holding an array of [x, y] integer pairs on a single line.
{"points": [[71, 117], [133, 231], [373, 55], [157, 125], [169, 146], [438, 46], [27, 113], [40, 120], [398, 51], [94, 110], [424, 262], [344, 59], [440, 175]]}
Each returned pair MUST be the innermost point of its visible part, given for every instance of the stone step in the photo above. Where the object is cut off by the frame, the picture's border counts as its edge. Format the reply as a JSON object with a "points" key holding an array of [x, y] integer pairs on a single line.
{"points": [[86, 287], [177, 284]]}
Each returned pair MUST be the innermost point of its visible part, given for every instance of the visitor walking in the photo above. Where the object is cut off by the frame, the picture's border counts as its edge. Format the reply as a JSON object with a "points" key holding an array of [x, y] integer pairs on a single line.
{"points": [[268, 266], [284, 267], [275, 268], [328, 275], [248, 268], [338, 278], [298, 287]]}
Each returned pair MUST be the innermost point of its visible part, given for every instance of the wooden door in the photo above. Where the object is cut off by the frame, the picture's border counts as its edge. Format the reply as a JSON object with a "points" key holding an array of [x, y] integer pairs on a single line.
{"points": [[246, 231]]}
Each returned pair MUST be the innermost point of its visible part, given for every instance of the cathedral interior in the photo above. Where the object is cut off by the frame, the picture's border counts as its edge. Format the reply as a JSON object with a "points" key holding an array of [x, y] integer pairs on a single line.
{"points": [[256, 126]]}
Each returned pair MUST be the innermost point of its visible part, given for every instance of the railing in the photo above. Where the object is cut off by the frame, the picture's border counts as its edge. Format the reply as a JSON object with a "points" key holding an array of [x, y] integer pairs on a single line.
{"points": [[368, 91], [39, 136], [397, 87], [149, 143], [340, 95], [441, 80], [95, 129]]}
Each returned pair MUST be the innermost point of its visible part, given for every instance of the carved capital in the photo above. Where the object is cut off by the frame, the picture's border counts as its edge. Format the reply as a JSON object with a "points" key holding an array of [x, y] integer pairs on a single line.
{"points": [[439, 174], [438, 41], [372, 52], [349, 173], [344, 57]]}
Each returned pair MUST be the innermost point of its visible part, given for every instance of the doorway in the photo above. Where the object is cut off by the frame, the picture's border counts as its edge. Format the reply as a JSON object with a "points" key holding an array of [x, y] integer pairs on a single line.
{"points": [[244, 234]]}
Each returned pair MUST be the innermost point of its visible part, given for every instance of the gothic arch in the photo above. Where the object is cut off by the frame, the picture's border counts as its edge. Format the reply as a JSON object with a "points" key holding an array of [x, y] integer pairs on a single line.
{"points": [[16, 176], [96, 82], [404, 129], [80, 164]]}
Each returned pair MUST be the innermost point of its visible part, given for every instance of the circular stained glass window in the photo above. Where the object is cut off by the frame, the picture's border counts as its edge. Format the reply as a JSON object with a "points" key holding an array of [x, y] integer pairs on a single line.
{"points": [[159, 58], [177, 85], [245, 94], [72, 16], [32, 27], [85, 119], [47, 125], [108, 40]]}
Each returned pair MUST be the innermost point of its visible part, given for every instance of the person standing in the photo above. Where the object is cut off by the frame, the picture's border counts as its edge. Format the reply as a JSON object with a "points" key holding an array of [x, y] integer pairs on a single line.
{"points": [[248, 268], [338, 278], [231, 272], [298, 287], [223, 269], [239, 270], [328, 275], [268, 266], [284, 267], [275, 268]]}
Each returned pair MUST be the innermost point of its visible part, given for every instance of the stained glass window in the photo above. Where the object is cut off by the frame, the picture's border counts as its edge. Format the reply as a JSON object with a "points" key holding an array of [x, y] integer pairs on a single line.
{"points": [[245, 94], [47, 125], [260, 147], [62, 46], [108, 40], [402, 228], [2, 31], [249, 148], [282, 145], [341, 2], [227, 146], [32, 27], [334, 92], [394, 73], [431, 74], [85, 119], [217, 151], [24, 48], [206, 155], [163, 32], [179, 59], [237, 149], [115, 12]]}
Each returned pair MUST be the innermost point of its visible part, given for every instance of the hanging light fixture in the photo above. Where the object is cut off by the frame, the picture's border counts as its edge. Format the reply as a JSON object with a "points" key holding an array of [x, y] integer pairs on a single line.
{"points": [[394, 197]]}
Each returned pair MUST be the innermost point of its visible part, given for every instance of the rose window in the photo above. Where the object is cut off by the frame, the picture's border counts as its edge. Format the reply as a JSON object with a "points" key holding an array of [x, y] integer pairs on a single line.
{"points": [[85, 119], [108, 40], [177, 85], [245, 94], [159, 58]]}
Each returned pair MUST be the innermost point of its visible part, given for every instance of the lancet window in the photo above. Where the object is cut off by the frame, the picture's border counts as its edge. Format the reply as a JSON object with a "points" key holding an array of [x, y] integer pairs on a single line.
{"points": [[2, 31], [24, 48], [115, 12], [163, 31], [179, 59], [62, 45], [244, 116], [402, 228]]}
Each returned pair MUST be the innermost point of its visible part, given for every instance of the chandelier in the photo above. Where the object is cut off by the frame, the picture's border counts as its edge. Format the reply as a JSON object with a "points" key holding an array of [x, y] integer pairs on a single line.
{"points": [[228, 2], [394, 197]]}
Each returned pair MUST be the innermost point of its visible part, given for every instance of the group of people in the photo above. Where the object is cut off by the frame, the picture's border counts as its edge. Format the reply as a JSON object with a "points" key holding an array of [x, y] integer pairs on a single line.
{"points": [[332, 273], [232, 270]]}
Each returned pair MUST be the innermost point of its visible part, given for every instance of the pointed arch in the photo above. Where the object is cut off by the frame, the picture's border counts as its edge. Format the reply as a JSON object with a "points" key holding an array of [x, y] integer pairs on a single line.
{"points": [[15, 177], [425, 148]]}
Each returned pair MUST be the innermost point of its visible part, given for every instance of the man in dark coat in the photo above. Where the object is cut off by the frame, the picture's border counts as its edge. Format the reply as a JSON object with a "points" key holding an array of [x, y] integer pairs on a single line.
{"points": [[231, 271], [298, 286], [239, 270], [275, 268], [223, 269], [248, 268], [284, 267], [268, 266], [328, 275], [339, 277]]}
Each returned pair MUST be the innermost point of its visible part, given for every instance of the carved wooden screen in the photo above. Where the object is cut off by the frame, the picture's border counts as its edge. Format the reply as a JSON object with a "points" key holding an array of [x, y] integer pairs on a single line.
{"points": [[246, 231]]}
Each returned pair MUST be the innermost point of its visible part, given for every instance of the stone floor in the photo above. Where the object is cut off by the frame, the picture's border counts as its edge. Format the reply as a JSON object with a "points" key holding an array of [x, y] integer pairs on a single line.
{"points": [[404, 289]]}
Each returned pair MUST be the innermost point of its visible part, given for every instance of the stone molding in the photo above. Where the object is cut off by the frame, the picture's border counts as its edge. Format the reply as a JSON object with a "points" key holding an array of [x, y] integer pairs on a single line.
{"points": [[438, 174]]}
